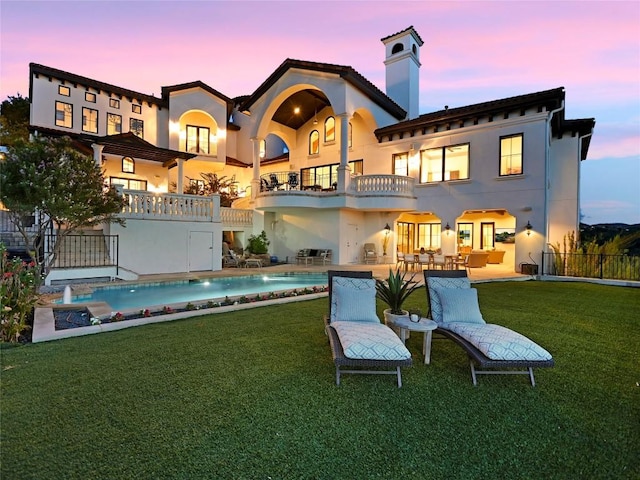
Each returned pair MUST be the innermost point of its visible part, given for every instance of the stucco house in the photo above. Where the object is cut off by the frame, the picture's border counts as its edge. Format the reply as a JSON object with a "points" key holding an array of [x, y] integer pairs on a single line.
{"points": [[323, 159]]}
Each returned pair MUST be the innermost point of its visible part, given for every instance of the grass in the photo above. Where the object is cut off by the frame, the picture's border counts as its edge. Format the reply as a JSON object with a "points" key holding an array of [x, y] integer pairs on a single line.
{"points": [[251, 395]]}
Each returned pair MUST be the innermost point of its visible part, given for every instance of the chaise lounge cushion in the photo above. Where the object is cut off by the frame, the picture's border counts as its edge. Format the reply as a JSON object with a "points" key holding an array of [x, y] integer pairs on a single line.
{"points": [[354, 300], [459, 305], [370, 341], [498, 342], [443, 282]]}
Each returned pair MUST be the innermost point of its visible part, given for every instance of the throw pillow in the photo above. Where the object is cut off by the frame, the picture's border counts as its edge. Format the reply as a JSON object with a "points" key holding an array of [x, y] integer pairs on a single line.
{"points": [[354, 300], [443, 282], [460, 305]]}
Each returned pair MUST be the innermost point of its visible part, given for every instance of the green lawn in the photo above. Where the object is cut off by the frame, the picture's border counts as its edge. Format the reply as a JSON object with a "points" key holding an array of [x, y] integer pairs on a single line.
{"points": [[251, 394]]}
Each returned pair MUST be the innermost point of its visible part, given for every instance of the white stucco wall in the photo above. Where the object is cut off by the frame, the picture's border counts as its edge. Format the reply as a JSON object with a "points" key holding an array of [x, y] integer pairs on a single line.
{"points": [[152, 246]]}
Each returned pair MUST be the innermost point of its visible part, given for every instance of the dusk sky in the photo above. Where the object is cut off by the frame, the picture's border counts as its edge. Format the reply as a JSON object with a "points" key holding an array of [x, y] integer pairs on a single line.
{"points": [[473, 52]]}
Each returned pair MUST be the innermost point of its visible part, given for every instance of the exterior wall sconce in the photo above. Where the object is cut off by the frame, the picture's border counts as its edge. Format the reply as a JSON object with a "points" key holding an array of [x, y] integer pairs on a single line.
{"points": [[385, 241], [447, 228], [528, 228]]}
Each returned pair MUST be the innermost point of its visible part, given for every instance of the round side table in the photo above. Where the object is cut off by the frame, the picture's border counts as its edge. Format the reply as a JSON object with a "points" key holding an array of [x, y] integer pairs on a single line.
{"points": [[424, 325]]}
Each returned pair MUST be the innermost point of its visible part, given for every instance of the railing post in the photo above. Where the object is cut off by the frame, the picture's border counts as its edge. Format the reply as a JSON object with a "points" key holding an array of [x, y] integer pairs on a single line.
{"points": [[601, 265]]}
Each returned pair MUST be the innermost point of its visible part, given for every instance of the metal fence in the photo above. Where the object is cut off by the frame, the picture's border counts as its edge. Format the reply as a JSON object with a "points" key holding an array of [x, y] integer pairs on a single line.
{"points": [[615, 267], [78, 251]]}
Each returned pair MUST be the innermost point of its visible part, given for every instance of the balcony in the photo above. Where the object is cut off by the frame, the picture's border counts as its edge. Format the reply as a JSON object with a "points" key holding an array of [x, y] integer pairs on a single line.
{"points": [[144, 205], [364, 192]]}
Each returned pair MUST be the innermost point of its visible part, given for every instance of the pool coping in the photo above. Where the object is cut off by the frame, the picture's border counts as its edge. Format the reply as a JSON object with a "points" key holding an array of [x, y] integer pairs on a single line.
{"points": [[44, 322]]}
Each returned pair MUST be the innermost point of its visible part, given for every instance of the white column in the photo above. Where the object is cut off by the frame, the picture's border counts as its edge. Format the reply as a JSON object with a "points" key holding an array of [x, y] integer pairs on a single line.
{"points": [[180, 180], [97, 153], [255, 181], [344, 172]]}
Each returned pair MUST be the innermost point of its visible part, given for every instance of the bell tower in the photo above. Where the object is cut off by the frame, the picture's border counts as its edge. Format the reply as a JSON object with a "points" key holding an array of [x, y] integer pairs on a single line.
{"points": [[402, 61]]}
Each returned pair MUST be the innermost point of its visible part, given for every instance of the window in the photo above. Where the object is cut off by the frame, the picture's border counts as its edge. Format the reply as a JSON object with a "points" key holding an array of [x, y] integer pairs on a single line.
{"points": [[197, 139], [114, 124], [90, 97], [325, 177], [487, 235], [89, 120], [330, 129], [405, 237], [263, 148], [444, 163], [136, 108], [429, 235], [128, 165], [356, 167], [401, 164], [136, 126], [114, 103], [465, 235], [314, 143], [64, 115], [350, 135], [511, 155], [196, 186], [65, 91], [129, 183]]}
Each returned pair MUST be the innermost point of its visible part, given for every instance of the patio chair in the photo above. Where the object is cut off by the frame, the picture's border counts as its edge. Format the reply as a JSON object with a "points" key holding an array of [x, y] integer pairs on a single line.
{"points": [[370, 254], [453, 305], [293, 180], [359, 341], [275, 183]]}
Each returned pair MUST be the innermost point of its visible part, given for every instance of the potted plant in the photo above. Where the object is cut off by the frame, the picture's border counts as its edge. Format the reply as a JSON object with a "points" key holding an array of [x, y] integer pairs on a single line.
{"points": [[394, 291]]}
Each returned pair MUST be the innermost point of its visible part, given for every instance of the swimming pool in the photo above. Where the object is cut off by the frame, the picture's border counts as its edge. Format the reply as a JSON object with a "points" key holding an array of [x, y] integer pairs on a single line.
{"points": [[159, 294]]}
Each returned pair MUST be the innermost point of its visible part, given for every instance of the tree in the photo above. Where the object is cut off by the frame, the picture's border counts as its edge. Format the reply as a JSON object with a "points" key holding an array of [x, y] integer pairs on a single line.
{"points": [[63, 188], [223, 186], [14, 120]]}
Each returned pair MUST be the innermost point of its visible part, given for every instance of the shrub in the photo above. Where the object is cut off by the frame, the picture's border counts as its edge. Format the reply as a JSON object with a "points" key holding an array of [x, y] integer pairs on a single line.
{"points": [[258, 244], [18, 295]]}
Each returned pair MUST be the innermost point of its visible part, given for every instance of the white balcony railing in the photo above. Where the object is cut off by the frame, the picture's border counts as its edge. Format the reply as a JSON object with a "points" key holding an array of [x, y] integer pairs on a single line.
{"points": [[236, 216], [383, 184], [170, 206]]}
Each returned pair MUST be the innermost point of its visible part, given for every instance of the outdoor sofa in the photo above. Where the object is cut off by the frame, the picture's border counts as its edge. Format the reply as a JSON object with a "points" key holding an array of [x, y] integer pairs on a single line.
{"points": [[314, 256]]}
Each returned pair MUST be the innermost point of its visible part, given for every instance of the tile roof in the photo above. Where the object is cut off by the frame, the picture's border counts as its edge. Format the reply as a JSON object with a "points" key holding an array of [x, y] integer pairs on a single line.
{"points": [[37, 69], [347, 73], [403, 31]]}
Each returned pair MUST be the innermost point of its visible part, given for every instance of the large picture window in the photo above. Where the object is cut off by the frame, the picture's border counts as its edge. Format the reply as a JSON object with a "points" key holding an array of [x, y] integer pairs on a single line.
{"points": [[114, 124], [64, 115], [136, 126], [511, 155], [129, 183], [325, 177], [314, 143], [197, 139], [401, 164], [444, 163], [89, 120], [429, 235]]}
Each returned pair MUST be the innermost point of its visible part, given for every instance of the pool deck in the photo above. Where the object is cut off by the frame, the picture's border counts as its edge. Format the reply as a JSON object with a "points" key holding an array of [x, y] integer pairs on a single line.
{"points": [[44, 323]]}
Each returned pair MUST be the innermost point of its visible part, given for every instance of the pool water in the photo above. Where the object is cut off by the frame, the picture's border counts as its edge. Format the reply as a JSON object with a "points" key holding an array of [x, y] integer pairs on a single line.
{"points": [[151, 295]]}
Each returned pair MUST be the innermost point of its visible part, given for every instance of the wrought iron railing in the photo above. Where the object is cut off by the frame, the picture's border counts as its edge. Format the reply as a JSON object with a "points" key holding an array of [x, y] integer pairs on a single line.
{"points": [[84, 250], [614, 267]]}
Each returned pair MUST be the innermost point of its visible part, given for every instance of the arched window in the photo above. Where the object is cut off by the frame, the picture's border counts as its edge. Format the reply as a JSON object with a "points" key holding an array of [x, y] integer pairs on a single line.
{"points": [[330, 129], [397, 48], [128, 165], [314, 143]]}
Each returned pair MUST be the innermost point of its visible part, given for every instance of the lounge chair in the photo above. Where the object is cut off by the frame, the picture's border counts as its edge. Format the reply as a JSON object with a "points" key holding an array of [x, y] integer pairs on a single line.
{"points": [[352, 325], [453, 306]]}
